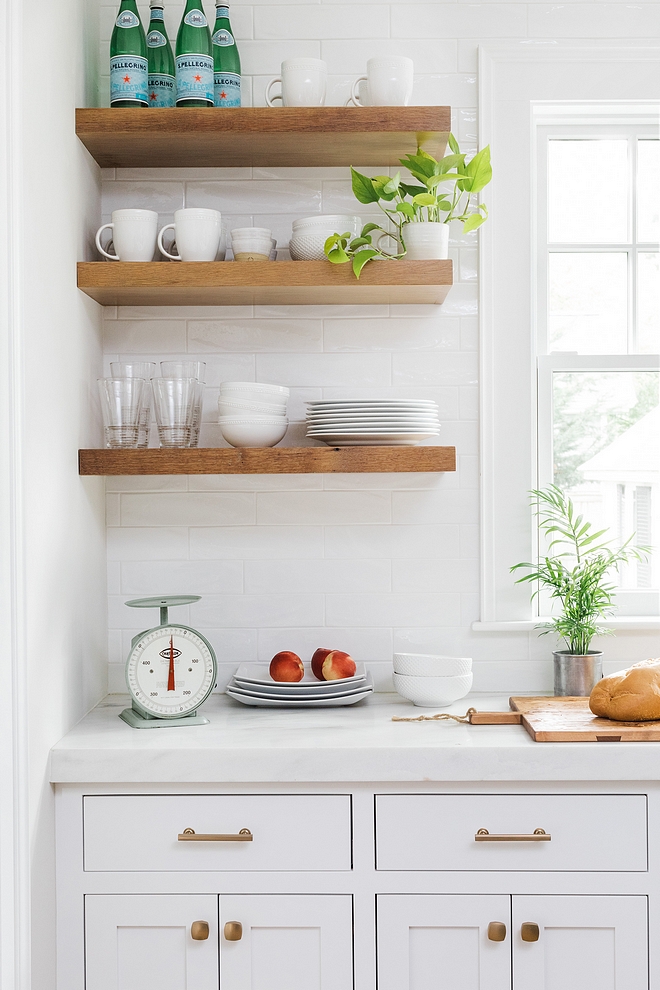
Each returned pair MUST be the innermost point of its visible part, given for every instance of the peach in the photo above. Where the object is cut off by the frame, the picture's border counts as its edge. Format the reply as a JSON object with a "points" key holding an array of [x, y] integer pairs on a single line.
{"points": [[317, 662], [286, 666], [337, 665]]}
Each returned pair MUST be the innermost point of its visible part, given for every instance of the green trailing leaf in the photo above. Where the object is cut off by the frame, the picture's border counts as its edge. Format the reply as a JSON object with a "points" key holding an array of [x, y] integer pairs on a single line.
{"points": [[361, 258], [368, 227], [479, 170], [424, 199], [393, 184], [411, 190], [358, 243], [406, 209], [453, 144], [451, 161], [473, 221], [363, 189]]}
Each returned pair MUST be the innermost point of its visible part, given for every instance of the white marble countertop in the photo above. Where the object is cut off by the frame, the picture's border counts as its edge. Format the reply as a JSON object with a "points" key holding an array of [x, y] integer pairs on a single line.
{"points": [[358, 743]]}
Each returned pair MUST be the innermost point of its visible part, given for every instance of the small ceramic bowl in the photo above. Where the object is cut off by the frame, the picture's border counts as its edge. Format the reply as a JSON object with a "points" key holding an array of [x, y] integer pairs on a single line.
{"points": [[431, 692], [430, 665], [254, 390], [263, 431], [237, 407]]}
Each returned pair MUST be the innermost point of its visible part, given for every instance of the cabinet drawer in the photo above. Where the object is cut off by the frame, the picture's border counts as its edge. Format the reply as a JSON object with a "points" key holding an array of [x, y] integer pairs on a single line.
{"points": [[291, 832], [590, 832]]}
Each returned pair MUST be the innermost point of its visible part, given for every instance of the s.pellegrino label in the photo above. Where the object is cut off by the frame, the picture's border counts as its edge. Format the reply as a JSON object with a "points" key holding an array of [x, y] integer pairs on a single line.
{"points": [[194, 58], [128, 59], [226, 61], [128, 80], [162, 76], [194, 79]]}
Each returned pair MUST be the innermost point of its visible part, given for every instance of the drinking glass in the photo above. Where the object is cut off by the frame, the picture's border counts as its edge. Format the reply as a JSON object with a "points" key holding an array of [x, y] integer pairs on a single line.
{"points": [[175, 406], [121, 402], [184, 369], [138, 369]]}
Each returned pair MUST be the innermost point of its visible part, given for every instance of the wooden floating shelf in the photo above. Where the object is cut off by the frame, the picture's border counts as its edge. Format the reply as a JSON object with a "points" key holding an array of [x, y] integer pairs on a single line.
{"points": [[285, 136], [267, 460], [263, 283]]}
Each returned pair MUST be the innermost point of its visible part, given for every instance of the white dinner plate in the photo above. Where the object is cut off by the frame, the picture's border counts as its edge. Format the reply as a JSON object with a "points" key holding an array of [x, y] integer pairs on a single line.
{"points": [[336, 701], [377, 424], [404, 440], [301, 688], [262, 692], [372, 434], [258, 673], [361, 403]]}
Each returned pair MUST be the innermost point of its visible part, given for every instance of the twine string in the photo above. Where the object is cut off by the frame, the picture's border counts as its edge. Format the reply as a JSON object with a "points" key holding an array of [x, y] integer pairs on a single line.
{"points": [[465, 719]]}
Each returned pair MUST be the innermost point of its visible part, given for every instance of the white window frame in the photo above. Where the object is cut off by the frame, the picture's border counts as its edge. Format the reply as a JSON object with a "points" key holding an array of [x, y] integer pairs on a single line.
{"points": [[513, 80]]}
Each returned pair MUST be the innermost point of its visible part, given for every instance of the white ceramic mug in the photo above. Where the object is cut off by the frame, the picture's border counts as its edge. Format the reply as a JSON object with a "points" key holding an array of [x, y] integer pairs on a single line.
{"points": [[133, 235], [389, 82], [303, 82], [197, 234]]}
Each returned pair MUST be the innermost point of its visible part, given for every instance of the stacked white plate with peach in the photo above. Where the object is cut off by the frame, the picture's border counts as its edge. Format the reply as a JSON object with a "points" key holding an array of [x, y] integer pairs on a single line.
{"points": [[430, 680], [332, 680]]}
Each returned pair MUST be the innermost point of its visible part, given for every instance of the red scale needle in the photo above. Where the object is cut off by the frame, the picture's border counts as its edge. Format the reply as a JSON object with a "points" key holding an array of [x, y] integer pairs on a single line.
{"points": [[170, 676]]}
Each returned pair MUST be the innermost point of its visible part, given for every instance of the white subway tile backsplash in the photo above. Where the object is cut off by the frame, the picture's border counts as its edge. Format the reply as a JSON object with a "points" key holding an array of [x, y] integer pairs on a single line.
{"points": [[256, 334], [253, 611], [584, 20], [323, 508], [255, 542], [140, 578], [179, 509], [391, 609], [444, 368], [364, 645], [325, 369], [457, 20], [319, 21], [394, 541], [439, 333], [438, 54], [322, 575], [419, 508], [125, 543], [132, 337], [298, 197]]}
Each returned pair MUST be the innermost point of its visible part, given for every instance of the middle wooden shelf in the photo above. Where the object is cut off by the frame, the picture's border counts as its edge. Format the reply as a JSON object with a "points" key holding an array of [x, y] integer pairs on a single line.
{"points": [[263, 283]]}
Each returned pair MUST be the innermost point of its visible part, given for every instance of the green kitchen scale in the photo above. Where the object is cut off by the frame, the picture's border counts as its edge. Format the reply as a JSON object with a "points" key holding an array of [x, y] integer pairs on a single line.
{"points": [[170, 671]]}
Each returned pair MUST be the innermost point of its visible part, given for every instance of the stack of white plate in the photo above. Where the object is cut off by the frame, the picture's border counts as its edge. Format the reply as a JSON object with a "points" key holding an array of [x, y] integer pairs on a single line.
{"points": [[253, 685], [372, 422]]}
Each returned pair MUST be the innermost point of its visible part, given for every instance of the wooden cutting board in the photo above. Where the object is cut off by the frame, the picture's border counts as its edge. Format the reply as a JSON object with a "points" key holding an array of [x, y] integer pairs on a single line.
{"points": [[570, 720]]}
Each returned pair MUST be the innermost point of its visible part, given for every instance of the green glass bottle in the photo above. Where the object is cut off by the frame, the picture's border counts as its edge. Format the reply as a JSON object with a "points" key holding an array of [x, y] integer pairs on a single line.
{"points": [[162, 77], [226, 61], [194, 58], [128, 59]]}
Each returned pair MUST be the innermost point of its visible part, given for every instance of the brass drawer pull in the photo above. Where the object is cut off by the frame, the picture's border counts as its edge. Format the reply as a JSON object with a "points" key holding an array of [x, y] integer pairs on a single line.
{"points": [[189, 835], [529, 931], [538, 835], [200, 930], [233, 931], [497, 931]]}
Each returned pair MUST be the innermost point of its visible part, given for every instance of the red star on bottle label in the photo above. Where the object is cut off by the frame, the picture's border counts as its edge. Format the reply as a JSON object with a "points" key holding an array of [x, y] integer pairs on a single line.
{"points": [[152, 96], [198, 78], [127, 79], [223, 95]]}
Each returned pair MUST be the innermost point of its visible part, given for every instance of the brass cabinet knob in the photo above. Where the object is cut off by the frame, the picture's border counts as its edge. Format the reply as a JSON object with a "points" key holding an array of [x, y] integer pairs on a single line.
{"points": [[199, 930], [233, 931], [529, 931], [497, 931]]}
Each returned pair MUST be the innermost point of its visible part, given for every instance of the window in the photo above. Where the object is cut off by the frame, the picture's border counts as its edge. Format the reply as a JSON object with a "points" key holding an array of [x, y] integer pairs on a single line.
{"points": [[598, 324], [568, 309]]}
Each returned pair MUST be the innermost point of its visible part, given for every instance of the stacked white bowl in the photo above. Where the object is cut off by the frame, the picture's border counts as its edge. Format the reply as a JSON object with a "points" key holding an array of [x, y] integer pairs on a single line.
{"points": [[430, 680], [251, 414], [310, 234]]}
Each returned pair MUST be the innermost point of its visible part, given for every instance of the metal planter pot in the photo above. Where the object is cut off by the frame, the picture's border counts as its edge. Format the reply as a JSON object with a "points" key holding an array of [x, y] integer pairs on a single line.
{"points": [[575, 675]]}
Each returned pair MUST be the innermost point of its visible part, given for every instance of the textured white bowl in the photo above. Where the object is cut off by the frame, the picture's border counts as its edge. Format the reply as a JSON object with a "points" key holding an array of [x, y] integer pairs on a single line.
{"points": [[259, 391], [236, 407], [346, 220], [309, 247], [431, 692], [430, 665], [263, 432]]}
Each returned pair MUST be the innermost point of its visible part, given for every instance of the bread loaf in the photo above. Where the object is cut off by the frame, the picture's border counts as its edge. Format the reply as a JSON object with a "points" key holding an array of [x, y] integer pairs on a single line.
{"points": [[631, 695]]}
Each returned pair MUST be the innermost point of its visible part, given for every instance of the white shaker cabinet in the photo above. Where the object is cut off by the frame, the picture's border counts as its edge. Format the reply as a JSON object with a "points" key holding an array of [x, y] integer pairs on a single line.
{"points": [[427, 941], [584, 943], [294, 942], [145, 942]]}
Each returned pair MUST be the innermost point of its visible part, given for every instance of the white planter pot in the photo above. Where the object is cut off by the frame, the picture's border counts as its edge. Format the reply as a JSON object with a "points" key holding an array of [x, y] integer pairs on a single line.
{"points": [[426, 241]]}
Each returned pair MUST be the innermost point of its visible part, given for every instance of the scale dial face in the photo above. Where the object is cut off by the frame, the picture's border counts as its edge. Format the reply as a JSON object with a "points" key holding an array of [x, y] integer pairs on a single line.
{"points": [[170, 671]]}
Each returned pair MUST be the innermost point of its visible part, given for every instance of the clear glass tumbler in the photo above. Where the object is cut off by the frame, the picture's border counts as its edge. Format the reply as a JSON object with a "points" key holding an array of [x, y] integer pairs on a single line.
{"points": [[138, 369], [184, 369], [174, 405], [121, 403]]}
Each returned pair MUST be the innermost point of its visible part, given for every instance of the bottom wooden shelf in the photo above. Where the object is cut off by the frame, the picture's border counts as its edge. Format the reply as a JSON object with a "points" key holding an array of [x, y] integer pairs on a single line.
{"points": [[267, 460]]}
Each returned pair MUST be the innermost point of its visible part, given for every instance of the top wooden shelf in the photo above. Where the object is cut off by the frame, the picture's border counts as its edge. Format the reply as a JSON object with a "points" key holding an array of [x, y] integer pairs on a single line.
{"points": [[260, 136]]}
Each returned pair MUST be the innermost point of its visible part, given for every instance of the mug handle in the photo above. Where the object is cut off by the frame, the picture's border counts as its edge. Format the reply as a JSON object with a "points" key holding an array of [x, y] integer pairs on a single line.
{"points": [[354, 98], [269, 98], [113, 257], [172, 257], [379, 239]]}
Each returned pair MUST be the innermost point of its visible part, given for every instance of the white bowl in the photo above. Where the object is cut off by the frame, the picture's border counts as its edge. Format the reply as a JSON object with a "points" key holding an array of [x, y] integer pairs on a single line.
{"points": [[236, 407], [259, 391], [431, 692], [344, 220], [430, 665], [264, 431]]}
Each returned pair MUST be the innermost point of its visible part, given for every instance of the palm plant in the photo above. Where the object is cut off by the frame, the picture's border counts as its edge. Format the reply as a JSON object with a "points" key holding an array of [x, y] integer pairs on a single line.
{"points": [[576, 569]]}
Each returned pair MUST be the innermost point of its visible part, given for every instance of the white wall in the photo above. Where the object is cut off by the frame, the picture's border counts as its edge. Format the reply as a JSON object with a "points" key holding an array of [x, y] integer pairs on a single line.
{"points": [[370, 563], [57, 668]]}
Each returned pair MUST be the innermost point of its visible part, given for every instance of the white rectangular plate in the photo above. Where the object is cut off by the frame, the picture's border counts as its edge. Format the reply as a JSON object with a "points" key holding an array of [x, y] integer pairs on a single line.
{"points": [[255, 691], [336, 701], [257, 673]]}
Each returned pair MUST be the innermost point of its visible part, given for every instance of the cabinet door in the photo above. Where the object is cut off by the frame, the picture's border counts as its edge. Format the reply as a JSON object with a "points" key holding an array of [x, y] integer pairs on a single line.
{"points": [[289, 942], [585, 943], [427, 941], [144, 942]]}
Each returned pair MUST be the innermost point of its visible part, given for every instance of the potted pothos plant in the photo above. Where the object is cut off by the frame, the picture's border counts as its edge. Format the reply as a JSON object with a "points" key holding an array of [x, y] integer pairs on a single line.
{"points": [[577, 572], [419, 212]]}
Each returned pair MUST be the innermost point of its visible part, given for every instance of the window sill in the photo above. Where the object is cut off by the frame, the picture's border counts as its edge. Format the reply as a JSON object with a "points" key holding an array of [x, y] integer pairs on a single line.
{"points": [[529, 625]]}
